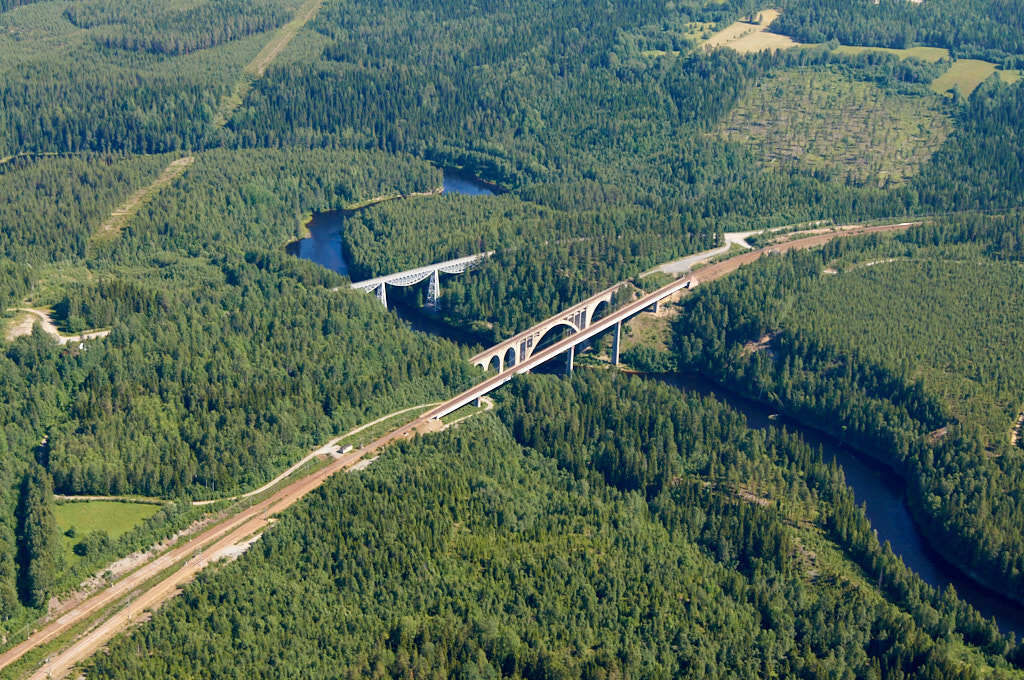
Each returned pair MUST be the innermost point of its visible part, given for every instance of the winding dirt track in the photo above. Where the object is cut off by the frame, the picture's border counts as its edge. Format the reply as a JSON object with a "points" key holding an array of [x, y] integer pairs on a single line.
{"points": [[209, 545]]}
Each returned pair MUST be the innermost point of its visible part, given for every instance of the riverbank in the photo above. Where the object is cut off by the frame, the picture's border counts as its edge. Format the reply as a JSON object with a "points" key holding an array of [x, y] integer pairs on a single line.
{"points": [[986, 594], [875, 484]]}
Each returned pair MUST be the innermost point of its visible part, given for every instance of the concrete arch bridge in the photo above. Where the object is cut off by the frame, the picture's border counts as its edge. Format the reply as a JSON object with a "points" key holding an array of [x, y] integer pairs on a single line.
{"points": [[521, 347]]}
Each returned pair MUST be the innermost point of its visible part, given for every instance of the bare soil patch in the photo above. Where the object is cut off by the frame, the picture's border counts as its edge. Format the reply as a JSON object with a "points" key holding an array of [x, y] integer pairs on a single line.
{"points": [[27, 319]]}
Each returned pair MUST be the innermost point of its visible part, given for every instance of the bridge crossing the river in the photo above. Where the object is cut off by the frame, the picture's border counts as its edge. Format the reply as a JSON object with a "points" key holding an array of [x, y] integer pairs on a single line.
{"points": [[411, 277], [536, 357]]}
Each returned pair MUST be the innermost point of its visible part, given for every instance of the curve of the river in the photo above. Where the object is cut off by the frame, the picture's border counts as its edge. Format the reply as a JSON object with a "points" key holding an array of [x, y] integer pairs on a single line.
{"points": [[324, 244], [881, 491], [883, 495]]}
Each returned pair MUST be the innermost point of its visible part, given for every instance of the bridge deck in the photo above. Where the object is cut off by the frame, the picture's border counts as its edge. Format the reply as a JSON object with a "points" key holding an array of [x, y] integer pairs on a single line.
{"points": [[523, 335], [422, 272], [553, 351]]}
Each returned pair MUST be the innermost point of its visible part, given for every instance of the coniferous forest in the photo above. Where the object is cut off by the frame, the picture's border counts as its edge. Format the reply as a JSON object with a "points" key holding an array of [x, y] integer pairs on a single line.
{"points": [[161, 345]]}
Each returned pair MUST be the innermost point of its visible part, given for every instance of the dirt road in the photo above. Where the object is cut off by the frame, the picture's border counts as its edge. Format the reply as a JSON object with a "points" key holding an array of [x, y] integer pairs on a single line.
{"points": [[24, 324], [220, 537]]}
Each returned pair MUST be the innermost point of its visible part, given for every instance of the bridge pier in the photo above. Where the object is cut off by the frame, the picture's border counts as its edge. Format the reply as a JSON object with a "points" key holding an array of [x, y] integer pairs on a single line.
{"points": [[382, 293], [434, 291], [653, 309], [569, 355], [617, 338]]}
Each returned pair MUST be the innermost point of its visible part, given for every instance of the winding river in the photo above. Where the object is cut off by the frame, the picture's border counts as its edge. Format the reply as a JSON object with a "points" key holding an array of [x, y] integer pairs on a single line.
{"points": [[324, 244], [879, 489], [882, 494]]}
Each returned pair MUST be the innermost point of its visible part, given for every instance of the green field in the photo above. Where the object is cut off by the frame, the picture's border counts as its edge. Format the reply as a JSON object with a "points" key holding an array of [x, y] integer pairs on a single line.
{"points": [[826, 120], [931, 54], [965, 74], [116, 518]]}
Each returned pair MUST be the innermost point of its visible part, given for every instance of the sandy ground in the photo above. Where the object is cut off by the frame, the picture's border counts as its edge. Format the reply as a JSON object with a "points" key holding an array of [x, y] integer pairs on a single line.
{"points": [[685, 264], [116, 570], [745, 37], [28, 318]]}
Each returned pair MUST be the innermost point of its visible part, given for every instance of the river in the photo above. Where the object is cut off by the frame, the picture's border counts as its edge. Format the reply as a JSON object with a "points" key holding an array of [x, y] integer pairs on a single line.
{"points": [[878, 488], [882, 494], [324, 245]]}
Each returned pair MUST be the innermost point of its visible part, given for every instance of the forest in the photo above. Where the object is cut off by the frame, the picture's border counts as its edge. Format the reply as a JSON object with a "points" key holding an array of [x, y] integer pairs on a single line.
{"points": [[973, 29], [592, 527], [148, 27], [534, 545], [227, 359], [935, 400]]}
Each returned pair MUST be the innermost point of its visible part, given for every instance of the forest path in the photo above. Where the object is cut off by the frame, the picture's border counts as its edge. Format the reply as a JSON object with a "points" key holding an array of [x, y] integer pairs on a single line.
{"points": [[255, 69], [119, 219], [26, 321]]}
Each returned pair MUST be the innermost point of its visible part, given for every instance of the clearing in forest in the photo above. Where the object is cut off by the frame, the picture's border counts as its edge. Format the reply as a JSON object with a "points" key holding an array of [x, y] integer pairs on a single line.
{"points": [[965, 74], [258, 66], [746, 37], [118, 219], [114, 518], [825, 120], [27, 318], [929, 54]]}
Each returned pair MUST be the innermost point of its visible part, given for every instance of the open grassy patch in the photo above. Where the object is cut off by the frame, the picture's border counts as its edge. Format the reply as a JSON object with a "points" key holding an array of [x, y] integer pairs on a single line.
{"points": [[1011, 76], [930, 54], [825, 120], [966, 74], [115, 518], [751, 36]]}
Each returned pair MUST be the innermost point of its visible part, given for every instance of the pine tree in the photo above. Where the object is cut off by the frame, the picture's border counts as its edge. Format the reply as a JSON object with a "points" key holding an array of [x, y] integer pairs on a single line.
{"points": [[38, 546]]}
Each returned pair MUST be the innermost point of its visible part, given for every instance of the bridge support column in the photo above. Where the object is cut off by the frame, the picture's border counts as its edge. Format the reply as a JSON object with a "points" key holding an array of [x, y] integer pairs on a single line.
{"points": [[477, 402], [616, 339], [653, 309], [434, 291], [569, 355], [382, 294]]}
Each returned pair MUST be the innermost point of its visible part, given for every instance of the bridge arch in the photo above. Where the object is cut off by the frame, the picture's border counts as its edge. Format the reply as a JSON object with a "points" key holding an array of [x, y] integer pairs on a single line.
{"points": [[599, 310], [548, 333], [510, 357]]}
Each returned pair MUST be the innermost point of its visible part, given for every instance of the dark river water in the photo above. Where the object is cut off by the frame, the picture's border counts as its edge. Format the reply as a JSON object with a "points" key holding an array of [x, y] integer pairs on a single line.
{"points": [[324, 245], [877, 488], [881, 492]]}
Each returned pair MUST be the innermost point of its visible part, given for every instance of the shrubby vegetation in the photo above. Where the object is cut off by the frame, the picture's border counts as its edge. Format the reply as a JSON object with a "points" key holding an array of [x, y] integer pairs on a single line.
{"points": [[470, 554]]}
